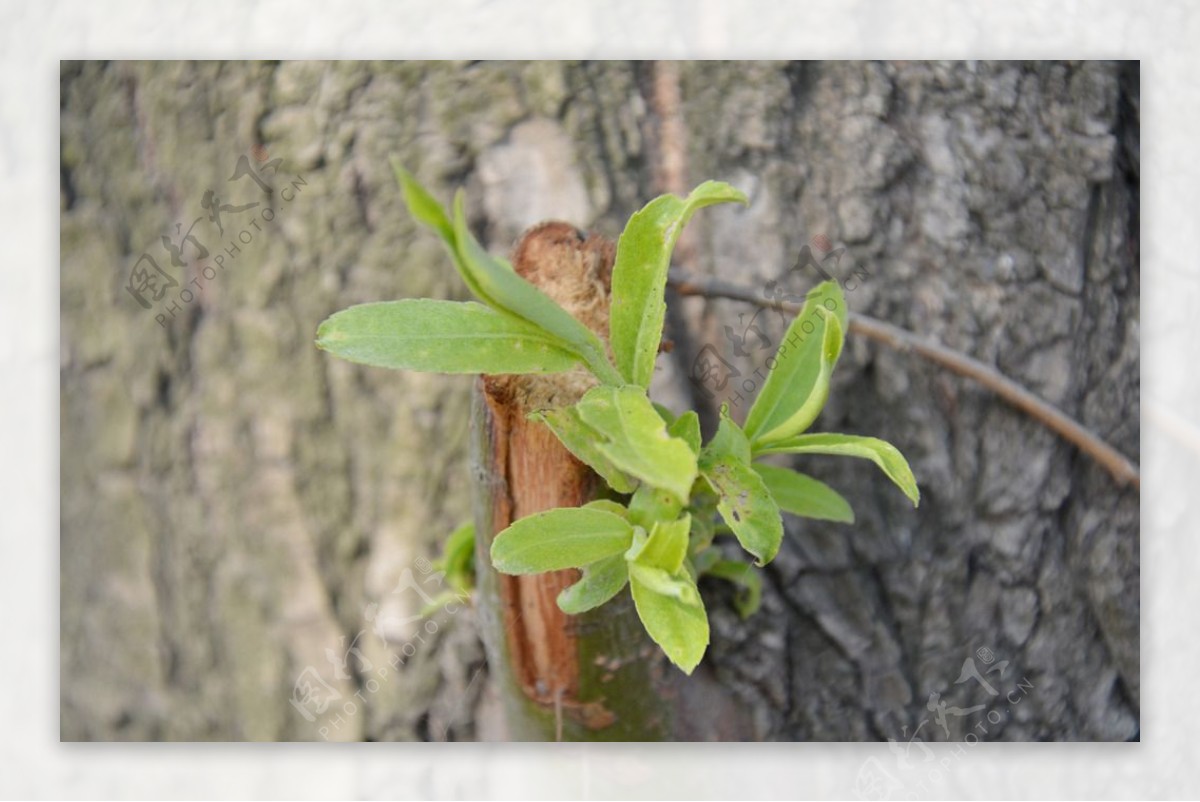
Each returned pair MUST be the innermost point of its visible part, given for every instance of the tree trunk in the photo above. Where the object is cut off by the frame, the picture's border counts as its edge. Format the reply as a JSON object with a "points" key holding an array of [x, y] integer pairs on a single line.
{"points": [[239, 511]]}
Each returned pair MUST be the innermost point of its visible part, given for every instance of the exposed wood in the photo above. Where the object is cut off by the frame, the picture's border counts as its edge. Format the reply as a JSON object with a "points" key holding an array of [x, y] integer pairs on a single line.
{"points": [[561, 676]]}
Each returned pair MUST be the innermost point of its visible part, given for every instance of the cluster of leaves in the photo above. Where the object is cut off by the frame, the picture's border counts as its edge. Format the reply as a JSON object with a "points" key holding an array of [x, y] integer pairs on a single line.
{"points": [[678, 493]]}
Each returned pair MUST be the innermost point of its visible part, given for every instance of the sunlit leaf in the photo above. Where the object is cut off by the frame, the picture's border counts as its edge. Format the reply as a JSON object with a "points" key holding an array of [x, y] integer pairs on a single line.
{"points": [[676, 586], [496, 284], [882, 453], [666, 546], [608, 505], [634, 438], [441, 336], [650, 504], [570, 537], [797, 385], [729, 440], [502, 288], [672, 612], [640, 275], [745, 505], [687, 428]]}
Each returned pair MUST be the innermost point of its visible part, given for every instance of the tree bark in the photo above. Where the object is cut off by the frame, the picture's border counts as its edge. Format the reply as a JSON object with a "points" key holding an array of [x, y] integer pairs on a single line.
{"points": [[236, 505]]}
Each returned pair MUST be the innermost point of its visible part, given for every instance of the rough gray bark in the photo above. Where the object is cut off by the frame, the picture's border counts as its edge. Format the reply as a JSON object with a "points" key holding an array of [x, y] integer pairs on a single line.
{"points": [[235, 504]]}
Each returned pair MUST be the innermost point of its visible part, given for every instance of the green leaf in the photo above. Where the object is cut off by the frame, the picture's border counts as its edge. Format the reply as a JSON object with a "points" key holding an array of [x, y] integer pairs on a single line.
{"points": [[678, 585], [570, 537], [797, 385], [667, 545], [608, 505], [650, 504], [422, 206], [687, 428], [601, 581], [672, 612], [805, 496], [441, 337], [495, 283], [667, 415], [640, 275], [583, 441], [457, 566], [634, 438], [426, 210], [882, 453], [501, 288], [745, 505], [636, 544], [749, 599], [704, 525], [729, 440], [742, 499], [458, 557]]}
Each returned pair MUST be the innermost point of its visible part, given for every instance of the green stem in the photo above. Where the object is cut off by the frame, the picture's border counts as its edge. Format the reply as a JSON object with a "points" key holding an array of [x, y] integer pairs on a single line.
{"points": [[603, 370]]}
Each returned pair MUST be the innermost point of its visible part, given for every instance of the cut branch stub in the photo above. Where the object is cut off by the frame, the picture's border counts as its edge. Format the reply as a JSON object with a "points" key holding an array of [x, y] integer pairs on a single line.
{"points": [[594, 676]]}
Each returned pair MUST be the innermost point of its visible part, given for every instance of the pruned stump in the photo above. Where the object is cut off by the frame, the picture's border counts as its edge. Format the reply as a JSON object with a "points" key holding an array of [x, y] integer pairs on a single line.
{"points": [[595, 676]]}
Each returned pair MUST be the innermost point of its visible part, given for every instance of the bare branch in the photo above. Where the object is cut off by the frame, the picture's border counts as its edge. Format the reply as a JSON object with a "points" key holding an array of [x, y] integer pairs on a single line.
{"points": [[1123, 470]]}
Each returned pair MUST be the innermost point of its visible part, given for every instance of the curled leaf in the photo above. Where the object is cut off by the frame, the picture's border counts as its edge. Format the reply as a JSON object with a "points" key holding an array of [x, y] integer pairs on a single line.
{"points": [[666, 546], [745, 577], [639, 276], [797, 386], [601, 581]]}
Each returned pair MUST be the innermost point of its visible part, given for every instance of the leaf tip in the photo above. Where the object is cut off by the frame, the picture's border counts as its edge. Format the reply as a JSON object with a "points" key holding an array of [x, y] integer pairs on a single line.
{"points": [[326, 334]]}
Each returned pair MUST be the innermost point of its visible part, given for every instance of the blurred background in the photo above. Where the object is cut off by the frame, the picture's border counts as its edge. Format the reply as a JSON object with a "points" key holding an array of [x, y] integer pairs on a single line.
{"points": [[248, 525]]}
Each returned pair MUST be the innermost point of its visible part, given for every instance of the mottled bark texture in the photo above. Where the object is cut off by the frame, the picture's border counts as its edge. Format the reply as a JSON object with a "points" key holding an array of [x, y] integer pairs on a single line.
{"points": [[238, 508]]}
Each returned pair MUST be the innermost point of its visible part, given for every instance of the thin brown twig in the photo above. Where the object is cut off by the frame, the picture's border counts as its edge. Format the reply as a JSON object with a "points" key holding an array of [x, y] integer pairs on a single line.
{"points": [[1122, 470], [671, 164], [668, 152]]}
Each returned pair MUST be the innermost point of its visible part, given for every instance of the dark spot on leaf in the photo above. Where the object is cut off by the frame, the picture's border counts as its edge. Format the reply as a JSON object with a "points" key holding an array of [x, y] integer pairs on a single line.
{"points": [[737, 516]]}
